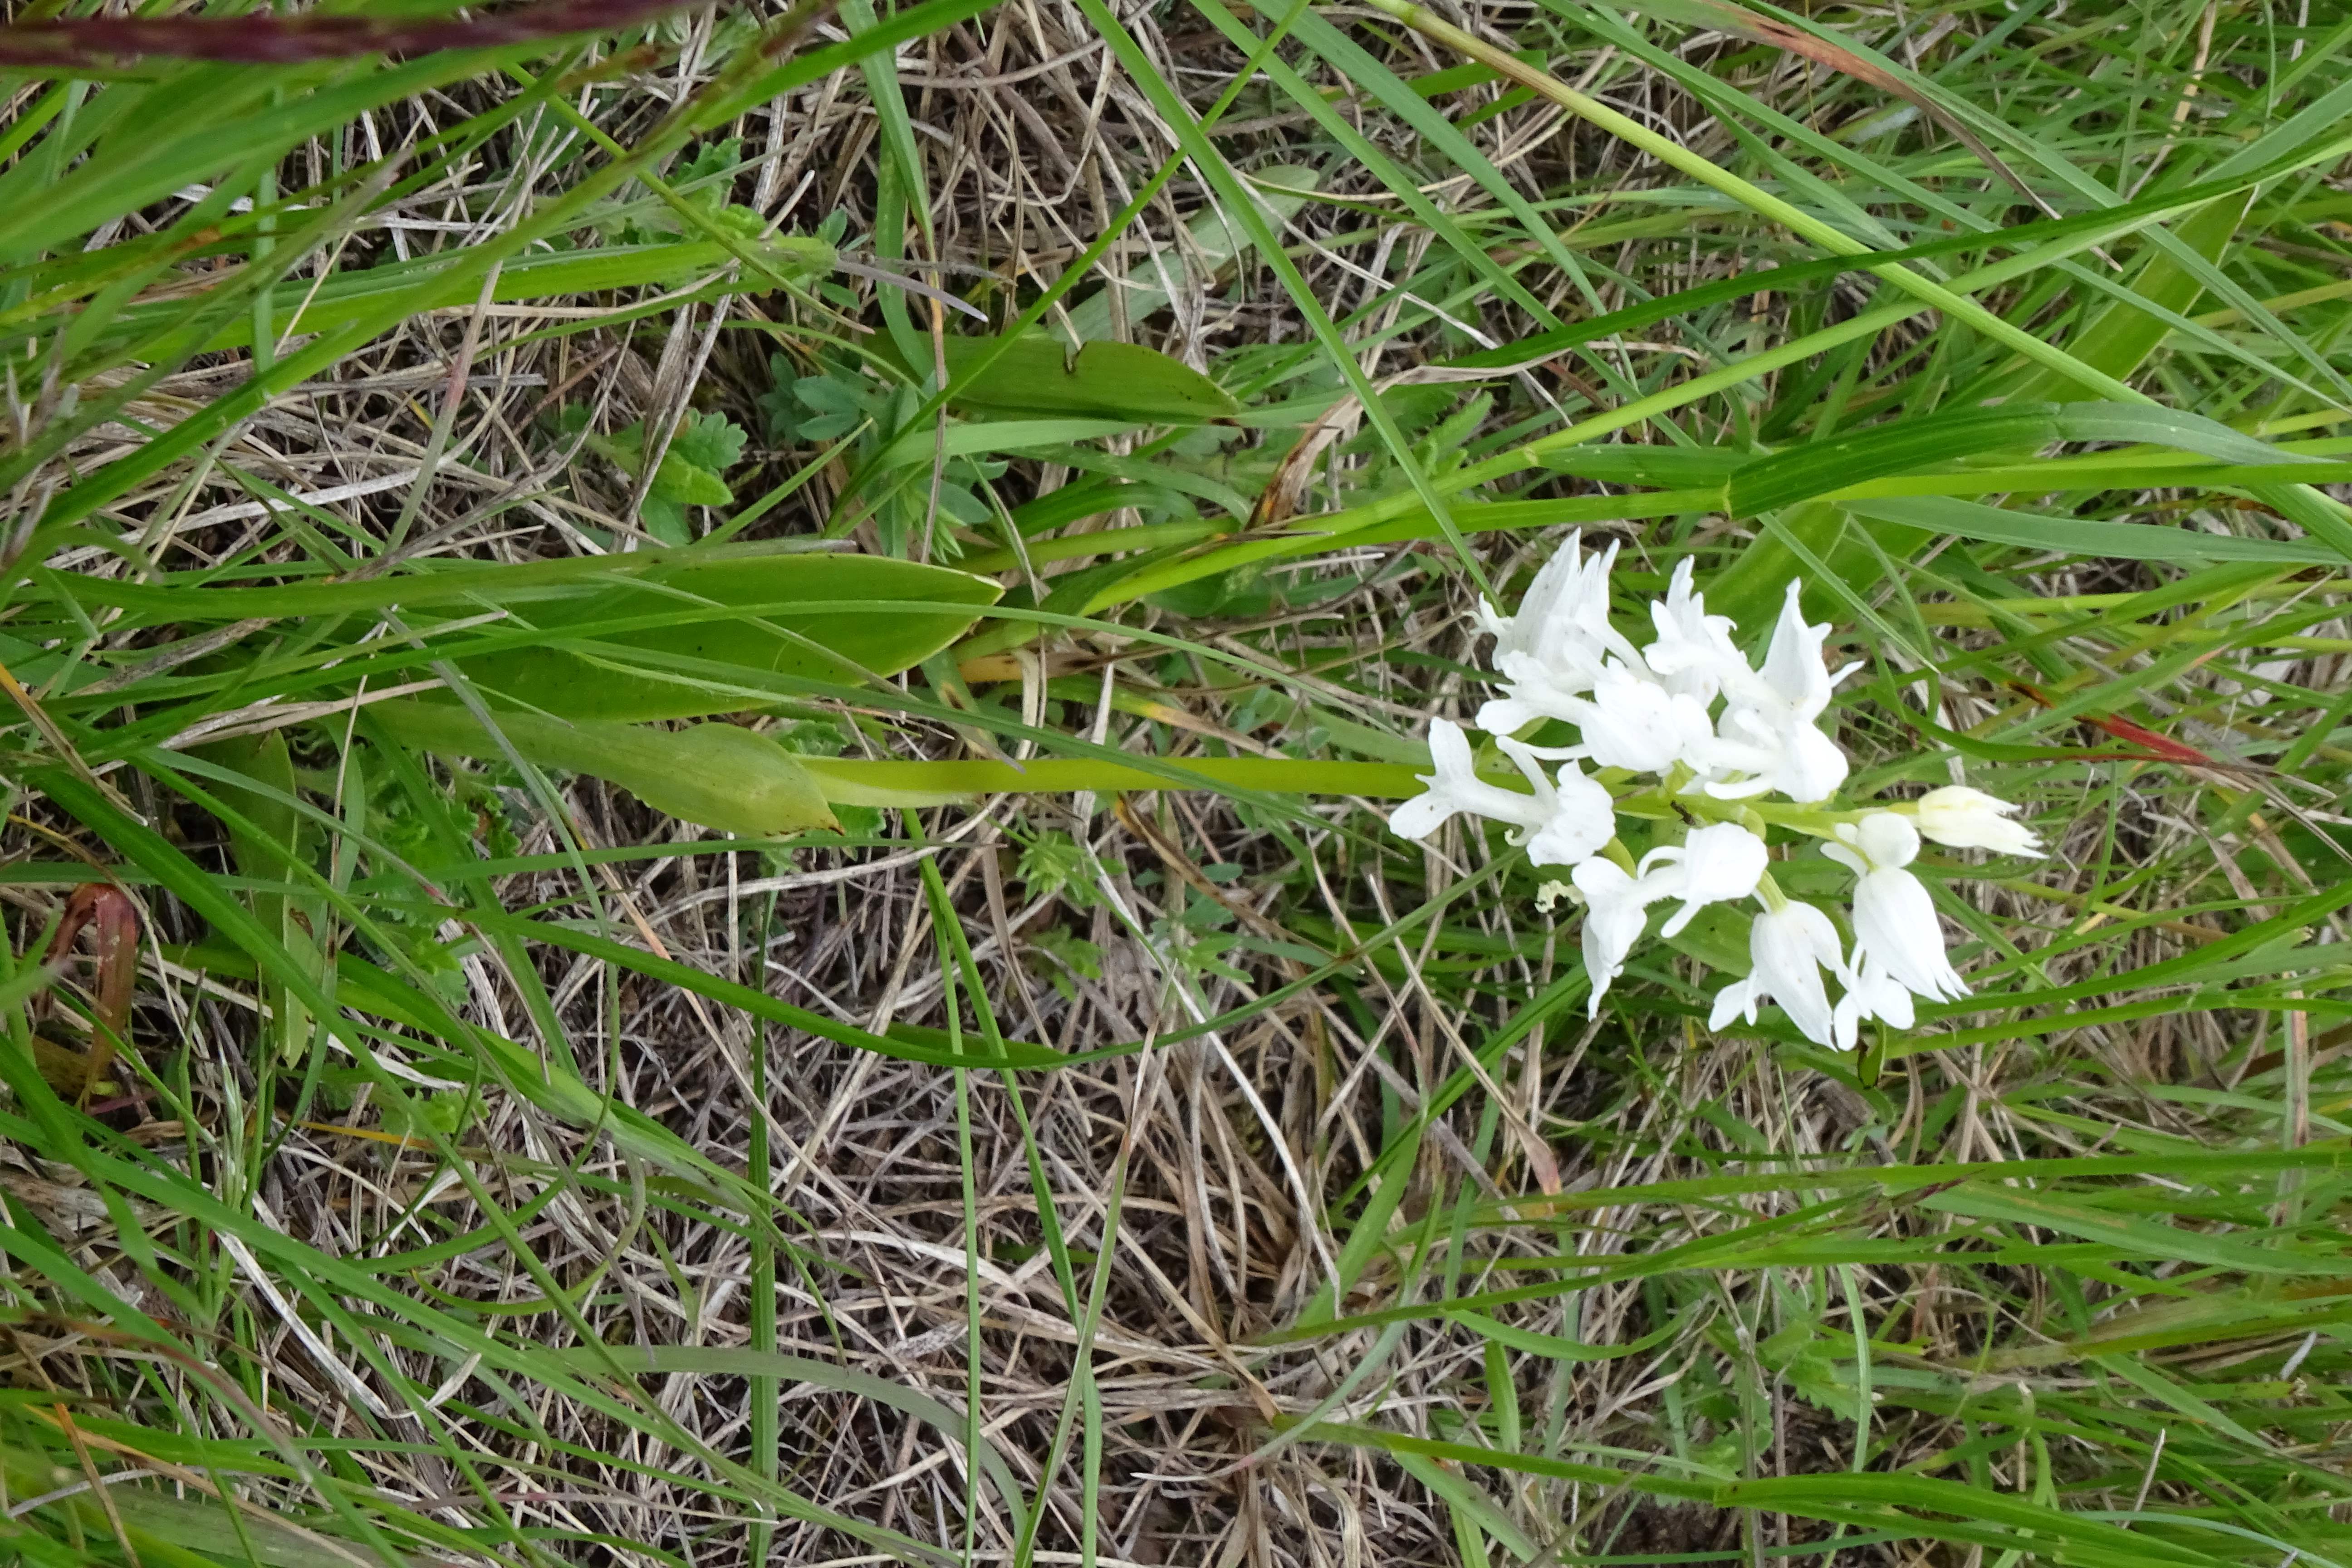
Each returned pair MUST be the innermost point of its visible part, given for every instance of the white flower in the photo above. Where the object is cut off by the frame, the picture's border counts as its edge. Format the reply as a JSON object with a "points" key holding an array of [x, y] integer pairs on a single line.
{"points": [[1530, 691], [1560, 644], [1560, 825], [1550, 893], [1775, 751], [1583, 814], [1632, 722], [1968, 818], [1694, 655], [1616, 906], [1789, 948], [1563, 577], [1769, 731], [1455, 786], [1561, 635], [1870, 993], [1716, 864], [1895, 927]]}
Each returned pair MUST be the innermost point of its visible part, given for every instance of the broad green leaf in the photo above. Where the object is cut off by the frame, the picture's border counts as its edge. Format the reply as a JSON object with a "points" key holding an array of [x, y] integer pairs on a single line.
{"points": [[718, 775], [1036, 373], [477, 585], [2118, 338], [817, 643], [792, 624], [847, 781]]}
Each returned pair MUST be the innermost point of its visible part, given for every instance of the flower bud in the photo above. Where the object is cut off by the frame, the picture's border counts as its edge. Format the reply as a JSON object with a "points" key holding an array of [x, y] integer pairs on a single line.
{"points": [[1965, 818]]}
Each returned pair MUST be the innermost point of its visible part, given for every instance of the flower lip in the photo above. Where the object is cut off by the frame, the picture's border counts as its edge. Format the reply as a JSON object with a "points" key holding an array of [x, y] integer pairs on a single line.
{"points": [[1895, 926], [1718, 863], [1788, 948], [1870, 993], [1616, 908]]}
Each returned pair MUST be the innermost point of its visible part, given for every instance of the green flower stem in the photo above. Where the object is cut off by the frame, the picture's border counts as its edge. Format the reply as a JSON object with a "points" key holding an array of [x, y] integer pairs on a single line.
{"points": [[848, 780], [1663, 801], [852, 782]]}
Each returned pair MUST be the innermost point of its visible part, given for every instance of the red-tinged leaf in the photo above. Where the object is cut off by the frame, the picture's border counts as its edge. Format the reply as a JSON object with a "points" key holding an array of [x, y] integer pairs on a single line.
{"points": [[2170, 750], [112, 920], [2160, 748], [89, 42]]}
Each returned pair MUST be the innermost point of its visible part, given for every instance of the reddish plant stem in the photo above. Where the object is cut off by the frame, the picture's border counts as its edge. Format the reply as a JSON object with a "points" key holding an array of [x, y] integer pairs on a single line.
{"points": [[98, 42]]}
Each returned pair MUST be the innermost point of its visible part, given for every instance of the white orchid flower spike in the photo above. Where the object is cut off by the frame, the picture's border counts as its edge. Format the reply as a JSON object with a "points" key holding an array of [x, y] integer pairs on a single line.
{"points": [[1688, 726]]}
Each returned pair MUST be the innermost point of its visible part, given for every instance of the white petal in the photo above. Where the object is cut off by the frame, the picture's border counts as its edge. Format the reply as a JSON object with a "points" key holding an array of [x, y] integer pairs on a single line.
{"points": [[1420, 816], [1603, 880], [1814, 767], [1449, 748], [1693, 654], [1793, 945], [1738, 1000], [1895, 923], [1507, 714], [1792, 664], [1615, 911], [1637, 724], [1871, 993], [1725, 860], [1523, 757], [1777, 747]]}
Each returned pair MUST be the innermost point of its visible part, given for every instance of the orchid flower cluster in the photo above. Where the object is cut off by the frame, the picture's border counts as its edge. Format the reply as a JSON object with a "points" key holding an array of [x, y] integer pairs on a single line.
{"points": [[1655, 711]]}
